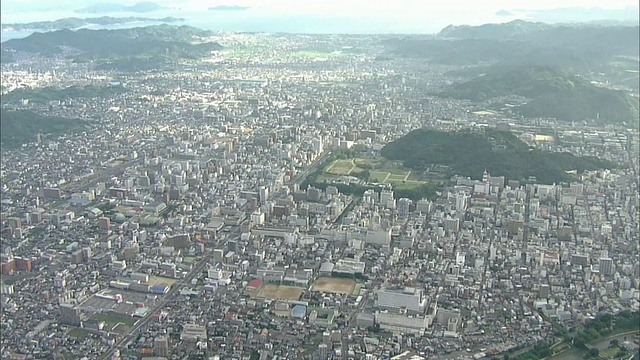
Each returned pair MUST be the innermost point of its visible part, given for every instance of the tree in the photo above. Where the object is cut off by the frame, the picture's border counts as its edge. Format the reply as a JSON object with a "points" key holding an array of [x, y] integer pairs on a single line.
{"points": [[614, 342], [594, 352]]}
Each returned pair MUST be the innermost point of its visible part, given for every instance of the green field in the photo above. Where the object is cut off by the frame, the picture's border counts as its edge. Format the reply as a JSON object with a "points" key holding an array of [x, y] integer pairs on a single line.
{"points": [[78, 333], [115, 319], [342, 167]]}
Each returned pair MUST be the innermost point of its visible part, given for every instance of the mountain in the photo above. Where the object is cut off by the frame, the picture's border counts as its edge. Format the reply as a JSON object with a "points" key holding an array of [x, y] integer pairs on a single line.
{"points": [[502, 153], [140, 7], [18, 127], [578, 47], [159, 44], [493, 31], [552, 93], [74, 23]]}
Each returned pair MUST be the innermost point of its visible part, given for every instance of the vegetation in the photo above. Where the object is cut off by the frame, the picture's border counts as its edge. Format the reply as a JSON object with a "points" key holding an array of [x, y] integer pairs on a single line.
{"points": [[74, 23], [502, 153], [21, 126], [554, 94], [52, 93], [159, 44], [605, 325], [519, 42]]}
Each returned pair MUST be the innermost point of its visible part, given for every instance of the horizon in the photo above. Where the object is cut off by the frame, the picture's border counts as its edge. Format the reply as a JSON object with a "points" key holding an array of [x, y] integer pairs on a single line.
{"points": [[334, 16]]}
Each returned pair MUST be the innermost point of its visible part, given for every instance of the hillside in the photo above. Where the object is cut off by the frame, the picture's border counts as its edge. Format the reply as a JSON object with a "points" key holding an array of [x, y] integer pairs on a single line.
{"points": [[553, 94], [52, 93], [164, 42], [502, 153], [20, 127], [74, 23], [583, 47]]}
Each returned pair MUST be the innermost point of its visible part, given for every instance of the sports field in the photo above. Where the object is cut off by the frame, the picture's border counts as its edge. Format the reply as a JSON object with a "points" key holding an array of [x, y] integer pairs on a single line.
{"points": [[280, 292], [334, 285]]}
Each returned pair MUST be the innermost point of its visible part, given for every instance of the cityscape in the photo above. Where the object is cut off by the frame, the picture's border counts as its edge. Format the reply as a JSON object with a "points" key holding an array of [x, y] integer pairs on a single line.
{"points": [[248, 205]]}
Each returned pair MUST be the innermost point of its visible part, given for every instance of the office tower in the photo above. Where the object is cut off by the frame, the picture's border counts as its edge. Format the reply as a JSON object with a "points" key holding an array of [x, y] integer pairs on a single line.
{"points": [[606, 266], [70, 315], [323, 351], [104, 223], [404, 206]]}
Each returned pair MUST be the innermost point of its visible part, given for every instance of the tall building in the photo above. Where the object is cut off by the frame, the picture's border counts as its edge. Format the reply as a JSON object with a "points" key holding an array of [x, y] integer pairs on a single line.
{"points": [[323, 352], [461, 202], [606, 266], [404, 206], [104, 223], [161, 346], [70, 315], [409, 298]]}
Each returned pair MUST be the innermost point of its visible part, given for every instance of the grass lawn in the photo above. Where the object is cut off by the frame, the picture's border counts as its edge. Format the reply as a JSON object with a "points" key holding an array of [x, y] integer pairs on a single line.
{"points": [[78, 333], [356, 289], [189, 259], [115, 319], [377, 176]]}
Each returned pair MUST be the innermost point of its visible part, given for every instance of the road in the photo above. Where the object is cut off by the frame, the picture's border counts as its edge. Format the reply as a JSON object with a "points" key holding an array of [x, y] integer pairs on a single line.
{"points": [[351, 323], [197, 269], [300, 178]]}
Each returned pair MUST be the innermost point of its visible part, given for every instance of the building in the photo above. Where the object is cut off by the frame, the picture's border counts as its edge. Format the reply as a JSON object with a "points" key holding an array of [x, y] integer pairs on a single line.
{"points": [[161, 346], [404, 206], [606, 266], [70, 315], [104, 223], [405, 298], [397, 323], [193, 332], [323, 352]]}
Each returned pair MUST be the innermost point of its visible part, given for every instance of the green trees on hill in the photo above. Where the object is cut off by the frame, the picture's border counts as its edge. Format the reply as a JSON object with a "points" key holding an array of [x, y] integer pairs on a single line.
{"points": [[468, 154], [553, 94], [19, 127]]}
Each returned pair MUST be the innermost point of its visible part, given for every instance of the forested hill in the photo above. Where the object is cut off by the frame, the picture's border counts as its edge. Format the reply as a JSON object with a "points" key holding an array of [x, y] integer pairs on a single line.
{"points": [[502, 153], [553, 93]]}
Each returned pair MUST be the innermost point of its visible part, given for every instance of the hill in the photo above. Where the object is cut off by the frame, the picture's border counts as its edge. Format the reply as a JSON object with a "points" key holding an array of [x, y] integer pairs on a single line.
{"points": [[51, 93], [502, 153], [163, 43], [21, 126], [579, 46], [553, 94], [74, 23]]}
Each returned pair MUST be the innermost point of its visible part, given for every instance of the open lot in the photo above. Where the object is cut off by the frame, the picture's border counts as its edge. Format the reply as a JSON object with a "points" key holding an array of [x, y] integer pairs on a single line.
{"points": [[334, 285], [342, 167], [280, 292], [158, 280], [116, 319]]}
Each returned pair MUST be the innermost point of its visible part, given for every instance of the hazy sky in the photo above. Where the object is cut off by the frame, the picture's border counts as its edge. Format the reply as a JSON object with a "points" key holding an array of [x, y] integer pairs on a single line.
{"points": [[334, 6]]}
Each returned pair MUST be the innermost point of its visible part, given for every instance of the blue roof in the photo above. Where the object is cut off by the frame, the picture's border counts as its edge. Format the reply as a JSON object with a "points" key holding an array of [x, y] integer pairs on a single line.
{"points": [[299, 311], [158, 288]]}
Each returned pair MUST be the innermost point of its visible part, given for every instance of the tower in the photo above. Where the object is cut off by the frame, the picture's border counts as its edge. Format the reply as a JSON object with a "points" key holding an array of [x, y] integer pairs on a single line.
{"points": [[485, 176]]}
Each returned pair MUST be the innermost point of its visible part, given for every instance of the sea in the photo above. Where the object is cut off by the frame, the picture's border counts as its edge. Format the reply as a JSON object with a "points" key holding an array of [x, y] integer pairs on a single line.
{"points": [[256, 20]]}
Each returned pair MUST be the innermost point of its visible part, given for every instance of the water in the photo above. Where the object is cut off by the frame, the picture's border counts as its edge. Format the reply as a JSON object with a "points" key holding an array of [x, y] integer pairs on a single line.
{"points": [[264, 21]]}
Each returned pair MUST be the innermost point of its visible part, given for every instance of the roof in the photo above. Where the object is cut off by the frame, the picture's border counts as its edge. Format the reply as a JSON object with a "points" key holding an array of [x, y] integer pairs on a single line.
{"points": [[299, 311], [255, 283]]}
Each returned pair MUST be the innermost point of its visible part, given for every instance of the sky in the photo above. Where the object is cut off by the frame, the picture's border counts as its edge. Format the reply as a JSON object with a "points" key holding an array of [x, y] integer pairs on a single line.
{"points": [[339, 6], [319, 16]]}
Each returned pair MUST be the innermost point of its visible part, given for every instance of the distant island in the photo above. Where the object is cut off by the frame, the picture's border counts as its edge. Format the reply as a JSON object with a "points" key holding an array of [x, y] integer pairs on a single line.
{"points": [[229, 8], [468, 153], [140, 7], [143, 48], [552, 93], [19, 127], [75, 23]]}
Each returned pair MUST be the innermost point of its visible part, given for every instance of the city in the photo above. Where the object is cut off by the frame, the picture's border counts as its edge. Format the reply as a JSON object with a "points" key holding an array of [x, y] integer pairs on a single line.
{"points": [[220, 212]]}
